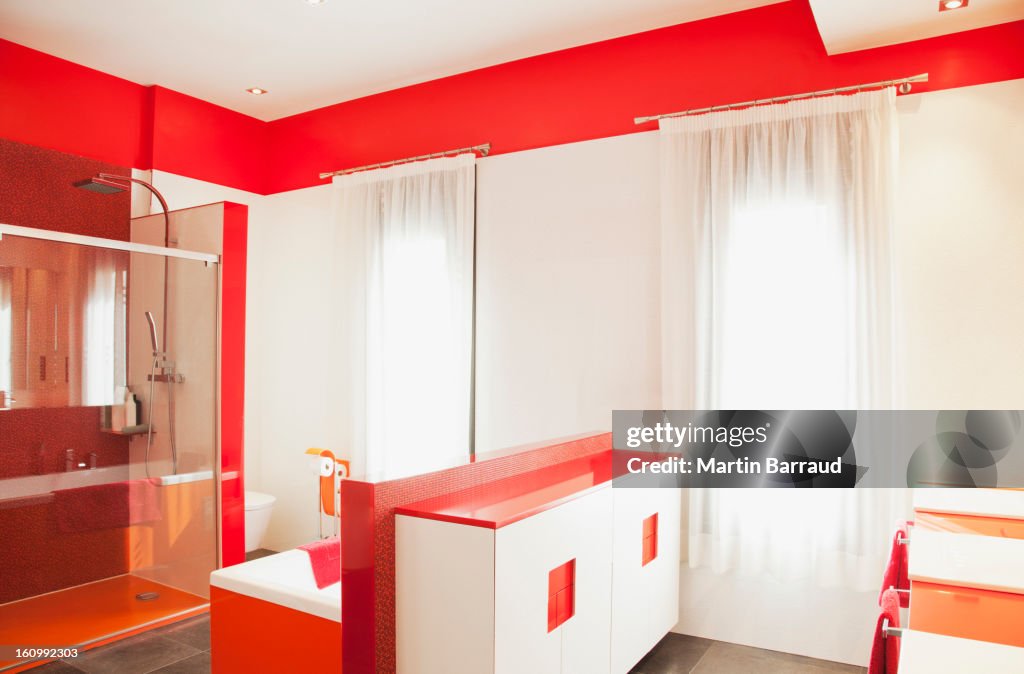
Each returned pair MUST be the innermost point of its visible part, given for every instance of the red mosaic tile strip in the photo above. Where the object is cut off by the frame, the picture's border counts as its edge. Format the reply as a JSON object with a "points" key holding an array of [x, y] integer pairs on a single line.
{"points": [[367, 514]]}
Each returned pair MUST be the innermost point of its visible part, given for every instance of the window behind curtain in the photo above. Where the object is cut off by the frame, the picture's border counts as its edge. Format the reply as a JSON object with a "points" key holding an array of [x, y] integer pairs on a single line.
{"points": [[776, 226], [405, 309], [784, 308]]}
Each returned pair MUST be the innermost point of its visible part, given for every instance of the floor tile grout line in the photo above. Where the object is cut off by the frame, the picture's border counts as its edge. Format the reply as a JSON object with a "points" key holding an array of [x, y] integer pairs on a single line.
{"points": [[172, 662], [702, 656]]}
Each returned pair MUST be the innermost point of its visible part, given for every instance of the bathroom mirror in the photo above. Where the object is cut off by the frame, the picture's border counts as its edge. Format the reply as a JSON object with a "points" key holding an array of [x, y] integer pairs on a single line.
{"points": [[62, 323]]}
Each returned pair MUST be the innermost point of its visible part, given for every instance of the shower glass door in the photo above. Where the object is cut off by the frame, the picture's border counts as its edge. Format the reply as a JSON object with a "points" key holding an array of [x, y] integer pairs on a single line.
{"points": [[108, 443]]}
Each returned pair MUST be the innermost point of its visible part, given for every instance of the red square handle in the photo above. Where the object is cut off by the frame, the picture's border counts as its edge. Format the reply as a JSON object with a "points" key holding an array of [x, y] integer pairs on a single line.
{"points": [[649, 549], [561, 594]]}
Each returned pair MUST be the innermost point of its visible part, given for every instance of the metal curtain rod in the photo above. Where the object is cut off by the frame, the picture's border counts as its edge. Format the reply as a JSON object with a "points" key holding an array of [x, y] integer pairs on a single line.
{"points": [[923, 77], [483, 149]]}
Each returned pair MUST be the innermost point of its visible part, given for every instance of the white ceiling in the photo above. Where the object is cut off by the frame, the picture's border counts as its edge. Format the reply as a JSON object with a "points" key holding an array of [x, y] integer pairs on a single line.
{"points": [[312, 56], [846, 25]]}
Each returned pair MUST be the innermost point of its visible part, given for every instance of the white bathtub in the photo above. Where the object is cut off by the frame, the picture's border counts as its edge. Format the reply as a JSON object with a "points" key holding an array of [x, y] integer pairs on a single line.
{"points": [[18, 492], [285, 579]]}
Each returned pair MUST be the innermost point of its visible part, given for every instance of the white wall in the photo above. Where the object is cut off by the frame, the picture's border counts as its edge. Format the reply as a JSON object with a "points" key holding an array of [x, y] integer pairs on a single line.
{"points": [[960, 238], [567, 289], [289, 402], [568, 319]]}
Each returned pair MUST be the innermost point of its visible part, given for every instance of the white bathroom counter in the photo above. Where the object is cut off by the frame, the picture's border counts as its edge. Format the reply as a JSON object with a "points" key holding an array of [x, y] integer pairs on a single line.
{"points": [[981, 562], [1001, 503], [927, 653]]}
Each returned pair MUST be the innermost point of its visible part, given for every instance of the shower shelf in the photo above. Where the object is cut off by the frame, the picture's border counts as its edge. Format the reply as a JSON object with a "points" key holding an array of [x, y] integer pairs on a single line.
{"points": [[130, 430]]}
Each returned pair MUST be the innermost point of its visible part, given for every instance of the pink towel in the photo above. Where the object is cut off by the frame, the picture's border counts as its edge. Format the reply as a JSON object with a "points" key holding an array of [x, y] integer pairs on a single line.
{"points": [[143, 502], [325, 558], [885, 651], [105, 506], [896, 570]]}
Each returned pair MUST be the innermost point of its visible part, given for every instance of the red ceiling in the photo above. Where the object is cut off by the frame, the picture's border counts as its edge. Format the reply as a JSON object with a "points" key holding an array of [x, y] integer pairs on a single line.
{"points": [[577, 94]]}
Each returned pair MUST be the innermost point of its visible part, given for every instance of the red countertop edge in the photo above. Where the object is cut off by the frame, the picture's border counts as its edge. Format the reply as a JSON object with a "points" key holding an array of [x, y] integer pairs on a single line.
{"points": [[459, 507]]}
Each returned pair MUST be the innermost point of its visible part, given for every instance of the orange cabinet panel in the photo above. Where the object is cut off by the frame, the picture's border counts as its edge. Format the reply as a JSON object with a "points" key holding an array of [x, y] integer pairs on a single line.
{"points": [[970, 524], [251, 635], [983, 615]]}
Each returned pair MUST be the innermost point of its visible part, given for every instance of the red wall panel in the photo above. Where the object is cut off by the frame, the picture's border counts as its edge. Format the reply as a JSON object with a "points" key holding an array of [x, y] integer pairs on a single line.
{"points": [[586, 92], [57, 104], [60, 105], [197, 139], [232, 376], [596, 90]]}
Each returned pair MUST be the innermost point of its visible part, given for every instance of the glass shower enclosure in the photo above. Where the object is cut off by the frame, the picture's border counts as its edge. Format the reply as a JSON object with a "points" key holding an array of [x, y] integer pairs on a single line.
{"points": [[109, 464]]}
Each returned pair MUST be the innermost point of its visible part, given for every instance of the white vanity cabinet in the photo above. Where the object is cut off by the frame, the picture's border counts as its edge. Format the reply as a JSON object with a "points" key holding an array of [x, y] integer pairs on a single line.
{"points": [[563, 589], [525, 555], [645, 587]]}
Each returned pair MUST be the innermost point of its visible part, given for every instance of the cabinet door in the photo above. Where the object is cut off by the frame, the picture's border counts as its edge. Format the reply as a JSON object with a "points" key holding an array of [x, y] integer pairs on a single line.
{"points": [[662, 573], [645, 588], [526, 553], [444, 597]]}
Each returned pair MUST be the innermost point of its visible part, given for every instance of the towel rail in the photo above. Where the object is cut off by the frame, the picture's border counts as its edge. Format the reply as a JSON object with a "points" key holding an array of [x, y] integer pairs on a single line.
{"points": [[890, 631]]}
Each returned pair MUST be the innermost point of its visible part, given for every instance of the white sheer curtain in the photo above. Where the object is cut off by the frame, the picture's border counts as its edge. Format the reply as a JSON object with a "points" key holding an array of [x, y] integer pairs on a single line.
{"points": [[777, 294], [405, 282], [6, 337]]}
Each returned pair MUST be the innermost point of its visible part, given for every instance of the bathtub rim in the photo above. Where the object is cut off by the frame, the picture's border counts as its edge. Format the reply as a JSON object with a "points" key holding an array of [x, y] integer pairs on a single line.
{"points": [[238, 579]]}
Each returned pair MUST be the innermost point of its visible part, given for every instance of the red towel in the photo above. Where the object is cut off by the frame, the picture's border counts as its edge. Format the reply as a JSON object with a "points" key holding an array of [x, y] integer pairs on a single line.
{"points": [[325, 558], [896, 570], [885, 651]]}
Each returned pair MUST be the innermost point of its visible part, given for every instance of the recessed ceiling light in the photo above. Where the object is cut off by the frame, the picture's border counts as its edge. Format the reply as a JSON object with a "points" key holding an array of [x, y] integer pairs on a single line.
{"points": [[256, 91], [952, 4], [315, 2]]}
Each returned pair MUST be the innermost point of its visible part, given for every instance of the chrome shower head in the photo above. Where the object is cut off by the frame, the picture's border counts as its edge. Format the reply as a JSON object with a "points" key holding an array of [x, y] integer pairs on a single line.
{"points": [[101, 185]]}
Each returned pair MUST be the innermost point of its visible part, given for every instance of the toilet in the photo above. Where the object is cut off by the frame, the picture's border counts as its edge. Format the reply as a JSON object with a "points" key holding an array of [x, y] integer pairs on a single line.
{"points": [[258, 507]]}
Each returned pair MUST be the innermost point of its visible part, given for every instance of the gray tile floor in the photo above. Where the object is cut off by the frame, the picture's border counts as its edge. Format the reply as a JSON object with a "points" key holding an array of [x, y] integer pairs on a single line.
{"points": [[681, 654], [184, 648], [256, 554]]}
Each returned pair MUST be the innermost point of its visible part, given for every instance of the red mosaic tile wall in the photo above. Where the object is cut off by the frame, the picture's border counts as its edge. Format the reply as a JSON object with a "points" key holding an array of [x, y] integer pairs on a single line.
{"points": [[36, 191], [368, 569]]}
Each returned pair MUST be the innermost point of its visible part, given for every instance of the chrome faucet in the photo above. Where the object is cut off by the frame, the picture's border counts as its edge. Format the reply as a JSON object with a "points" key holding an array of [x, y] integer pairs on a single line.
{"points": [[69, 460]]}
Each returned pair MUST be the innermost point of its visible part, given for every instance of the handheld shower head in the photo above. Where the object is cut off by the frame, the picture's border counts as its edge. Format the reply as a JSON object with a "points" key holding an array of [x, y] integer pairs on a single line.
{"points": [[152, 332]]}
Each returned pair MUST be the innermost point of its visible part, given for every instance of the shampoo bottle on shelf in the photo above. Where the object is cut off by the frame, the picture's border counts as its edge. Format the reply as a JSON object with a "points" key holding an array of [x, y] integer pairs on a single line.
{"points": [[130, 410], [138, 408]]}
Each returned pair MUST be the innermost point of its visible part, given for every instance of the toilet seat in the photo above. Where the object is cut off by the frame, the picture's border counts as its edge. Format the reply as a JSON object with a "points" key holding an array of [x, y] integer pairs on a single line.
{"points": [[255, 500]]}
